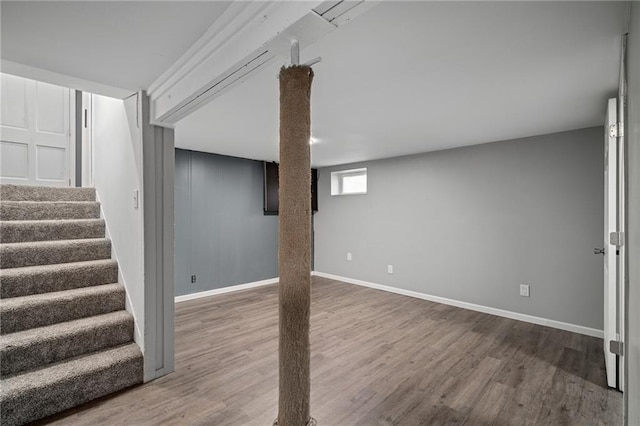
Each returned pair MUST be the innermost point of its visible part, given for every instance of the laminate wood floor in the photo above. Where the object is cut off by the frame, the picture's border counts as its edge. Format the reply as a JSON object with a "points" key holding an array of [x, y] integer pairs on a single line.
{"points": [[377, 359]]}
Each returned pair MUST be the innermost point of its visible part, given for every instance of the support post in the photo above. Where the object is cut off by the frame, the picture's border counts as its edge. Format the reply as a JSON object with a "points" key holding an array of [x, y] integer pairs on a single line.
{"points": [[294, 251]]}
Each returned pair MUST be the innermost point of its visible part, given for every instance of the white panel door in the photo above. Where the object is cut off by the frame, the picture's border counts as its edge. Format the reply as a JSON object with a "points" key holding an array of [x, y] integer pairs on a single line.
{"points": [[610, 250], [35, 132]]}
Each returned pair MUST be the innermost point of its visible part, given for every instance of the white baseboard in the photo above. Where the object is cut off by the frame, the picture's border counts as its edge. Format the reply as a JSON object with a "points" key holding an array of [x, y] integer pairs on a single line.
{"points": [[223, 290], [471, 306]]}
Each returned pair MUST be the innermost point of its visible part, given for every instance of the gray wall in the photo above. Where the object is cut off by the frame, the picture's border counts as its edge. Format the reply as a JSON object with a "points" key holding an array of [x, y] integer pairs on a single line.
{"points": [[473, 223], [221, 234], [632, 358]]}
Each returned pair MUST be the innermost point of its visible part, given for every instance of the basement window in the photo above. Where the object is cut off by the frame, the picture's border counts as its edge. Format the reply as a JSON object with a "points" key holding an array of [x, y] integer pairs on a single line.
{"points": [[349, 182]]}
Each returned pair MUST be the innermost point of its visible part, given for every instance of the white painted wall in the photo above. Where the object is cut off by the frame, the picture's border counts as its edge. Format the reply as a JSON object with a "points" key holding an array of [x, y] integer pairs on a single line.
{"points": [[117, 162]]}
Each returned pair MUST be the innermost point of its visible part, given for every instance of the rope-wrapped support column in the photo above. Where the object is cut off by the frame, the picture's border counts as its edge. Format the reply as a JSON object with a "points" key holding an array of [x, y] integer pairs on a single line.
{"points": [[294, 251]]}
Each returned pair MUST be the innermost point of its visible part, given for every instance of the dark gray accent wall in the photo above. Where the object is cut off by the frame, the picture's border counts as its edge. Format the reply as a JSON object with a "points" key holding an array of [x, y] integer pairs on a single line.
{"points": [[473, 223], [222, 235]]}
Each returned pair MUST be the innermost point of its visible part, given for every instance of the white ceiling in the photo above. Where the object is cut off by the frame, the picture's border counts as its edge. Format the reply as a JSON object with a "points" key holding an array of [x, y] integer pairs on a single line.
{"points": [[405, 77], [126, 44], [410, 77]]}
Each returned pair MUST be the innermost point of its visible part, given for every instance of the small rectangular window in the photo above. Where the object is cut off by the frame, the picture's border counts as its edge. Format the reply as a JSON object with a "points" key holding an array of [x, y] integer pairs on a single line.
{"points": [[347, 182]]}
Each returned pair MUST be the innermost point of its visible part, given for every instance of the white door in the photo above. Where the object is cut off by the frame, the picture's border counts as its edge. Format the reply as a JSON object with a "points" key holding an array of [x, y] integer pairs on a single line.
{"points": [[610, 250], [35, 132]]}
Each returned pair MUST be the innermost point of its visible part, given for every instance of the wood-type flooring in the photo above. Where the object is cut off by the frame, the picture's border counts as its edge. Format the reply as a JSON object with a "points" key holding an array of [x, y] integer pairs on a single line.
{"points": [[376, 359]]}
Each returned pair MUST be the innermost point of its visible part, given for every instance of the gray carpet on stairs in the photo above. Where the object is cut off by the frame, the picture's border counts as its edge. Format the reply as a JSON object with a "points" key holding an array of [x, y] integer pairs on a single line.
{"points": [[31, 210], [18, 255], [36, 394], [17, 282], [40, 193], [18, 231], [65, 336], [29, 349], [23, 313]]}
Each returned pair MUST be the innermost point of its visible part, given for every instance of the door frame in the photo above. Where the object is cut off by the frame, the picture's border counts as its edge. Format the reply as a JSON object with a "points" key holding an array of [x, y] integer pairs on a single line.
{"points": [[72, 137], [87, 140], [610, 259], [615, 281], [621, 273], [622, 211]]}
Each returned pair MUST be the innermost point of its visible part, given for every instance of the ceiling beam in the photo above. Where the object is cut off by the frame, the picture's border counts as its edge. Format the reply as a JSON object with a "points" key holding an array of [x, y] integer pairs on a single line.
{"points": [[76, 83], [243, 41]]}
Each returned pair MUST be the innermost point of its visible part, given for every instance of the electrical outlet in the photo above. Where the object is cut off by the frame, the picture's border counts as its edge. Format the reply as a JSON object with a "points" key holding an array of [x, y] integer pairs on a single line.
{"points": [[348, 256], [389, 269], [524, 290], [193, 278]]}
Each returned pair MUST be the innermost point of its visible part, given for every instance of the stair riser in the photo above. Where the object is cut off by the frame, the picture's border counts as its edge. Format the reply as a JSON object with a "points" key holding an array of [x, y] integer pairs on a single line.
{"points": [[14, 283], [31, 193], [48, 254], [52, 312], [48, 211], [16, 359], [18, 232], [40, 402]]}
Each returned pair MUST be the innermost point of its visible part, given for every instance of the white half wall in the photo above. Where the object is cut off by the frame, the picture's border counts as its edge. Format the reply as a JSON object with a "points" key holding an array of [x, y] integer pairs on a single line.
{"points": [[117, 173], [133, 172]]}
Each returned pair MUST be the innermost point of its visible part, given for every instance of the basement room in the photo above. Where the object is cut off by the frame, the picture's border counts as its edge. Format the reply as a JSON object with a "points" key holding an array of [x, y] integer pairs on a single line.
{"points": [[330, 213]]}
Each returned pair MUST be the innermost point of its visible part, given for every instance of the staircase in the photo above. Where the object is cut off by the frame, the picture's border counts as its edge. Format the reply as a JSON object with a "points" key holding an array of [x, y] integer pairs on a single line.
{"points": [[65, 336]]}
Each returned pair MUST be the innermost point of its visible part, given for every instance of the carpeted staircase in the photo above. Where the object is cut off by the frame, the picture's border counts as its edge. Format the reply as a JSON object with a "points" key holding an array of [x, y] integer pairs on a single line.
{"points": [[65, 336]]}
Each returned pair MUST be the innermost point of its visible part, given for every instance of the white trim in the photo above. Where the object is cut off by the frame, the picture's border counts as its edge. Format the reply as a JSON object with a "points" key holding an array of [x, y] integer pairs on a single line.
{"points": [[87, 140], [471, 306], [72, 137], [156, 208], [223, 290]]}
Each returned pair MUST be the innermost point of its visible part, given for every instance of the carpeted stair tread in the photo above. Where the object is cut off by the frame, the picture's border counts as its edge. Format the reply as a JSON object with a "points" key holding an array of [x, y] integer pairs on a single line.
{"points": [[39, 310], [17, 231], [18, 282], [29, 349], [29, 396], [42, 193], [65, 336], [17, 255], [49, 210]]}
